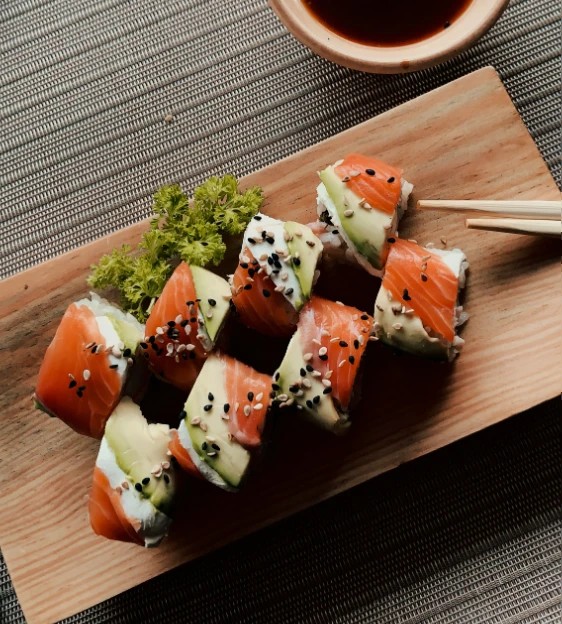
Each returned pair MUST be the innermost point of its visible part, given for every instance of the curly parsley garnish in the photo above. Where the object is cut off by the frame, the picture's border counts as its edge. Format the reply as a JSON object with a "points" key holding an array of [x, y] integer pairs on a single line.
{"points": [[179, 230]]}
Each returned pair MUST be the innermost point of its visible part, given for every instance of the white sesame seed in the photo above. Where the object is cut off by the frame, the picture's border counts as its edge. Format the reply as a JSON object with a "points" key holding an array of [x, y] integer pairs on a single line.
{"points": [[86, 374], [210, 438], [89, 345], [328, 374], [170, 347], [100, 348], [209, 314], [195, 421], [316, 341], [279, 288], [389, 295], [189, 347], [203, 426], [324, 332], [179, 319], [342, 363], [118, 489], [327, 383], [236, 406], [160, 340], [307, 383], [169, 453], [225, 416], [166, 465], [130, 361], [307, 357], [283, 397], [180, 348], [299, 234], [259, 396], [348, 213], [244, 259], [116, 351], [227, 297], [316, 373], [211, 453], [258, 406], [335, 339], [70, 376], [159, 331], [125, 485], [247, 410], [397, 326], [284, 276], [340, 303], [263, 257], [373, 338], [322, 351], [354, 173]]}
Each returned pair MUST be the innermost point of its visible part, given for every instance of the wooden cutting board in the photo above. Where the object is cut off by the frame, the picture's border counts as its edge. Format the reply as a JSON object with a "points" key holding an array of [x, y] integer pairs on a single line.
{"points": [[464, 140]]}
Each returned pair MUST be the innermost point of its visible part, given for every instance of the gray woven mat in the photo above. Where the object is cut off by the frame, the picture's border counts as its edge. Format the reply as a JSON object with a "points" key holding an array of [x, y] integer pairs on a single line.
{"points": [[469, 534]]}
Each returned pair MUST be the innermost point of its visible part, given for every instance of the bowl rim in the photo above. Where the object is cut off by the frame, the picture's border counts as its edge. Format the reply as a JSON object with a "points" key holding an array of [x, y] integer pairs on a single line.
{"points": [[384, 59]]}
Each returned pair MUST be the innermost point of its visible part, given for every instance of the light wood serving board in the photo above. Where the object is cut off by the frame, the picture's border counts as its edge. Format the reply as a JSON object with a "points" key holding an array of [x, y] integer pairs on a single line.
{"points": [[464, 140]]}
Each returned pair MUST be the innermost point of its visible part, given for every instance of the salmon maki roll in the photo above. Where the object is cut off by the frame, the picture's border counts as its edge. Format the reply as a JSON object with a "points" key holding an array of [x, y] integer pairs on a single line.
{"points": [[319, 372], [417, 308], [133, 484], [275, 275], [360, 202], [87, 364], [223, 422], [185, 323]]}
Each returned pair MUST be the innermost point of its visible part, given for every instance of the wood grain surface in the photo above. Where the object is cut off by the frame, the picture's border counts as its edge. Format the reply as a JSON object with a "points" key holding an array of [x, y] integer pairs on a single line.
{"points": [[462, 141]]}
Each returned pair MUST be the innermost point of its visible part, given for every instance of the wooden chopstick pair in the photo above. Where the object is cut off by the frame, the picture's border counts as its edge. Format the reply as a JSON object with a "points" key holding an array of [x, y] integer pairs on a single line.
{"points": [[542, 218]]}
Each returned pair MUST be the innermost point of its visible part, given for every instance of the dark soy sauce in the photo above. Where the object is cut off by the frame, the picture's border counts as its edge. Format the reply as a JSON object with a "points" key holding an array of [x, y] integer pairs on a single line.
{"points": [[386, 22]]}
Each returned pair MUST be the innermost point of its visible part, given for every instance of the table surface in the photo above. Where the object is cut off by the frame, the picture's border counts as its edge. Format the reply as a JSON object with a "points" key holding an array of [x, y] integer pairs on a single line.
{"points": [[467, 534]]}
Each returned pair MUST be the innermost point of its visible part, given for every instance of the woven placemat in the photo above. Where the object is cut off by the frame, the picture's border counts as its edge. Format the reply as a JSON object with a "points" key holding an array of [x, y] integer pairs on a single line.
{"points": [[468, 534]]}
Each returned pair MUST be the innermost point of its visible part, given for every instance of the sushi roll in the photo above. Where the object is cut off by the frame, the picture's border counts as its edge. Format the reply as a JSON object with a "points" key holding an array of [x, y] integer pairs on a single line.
{"points": [[360, 201], [222, 422], [87, 364], [319, 371], [133, 484], [185, 323], [417, 308], [275, 274]]}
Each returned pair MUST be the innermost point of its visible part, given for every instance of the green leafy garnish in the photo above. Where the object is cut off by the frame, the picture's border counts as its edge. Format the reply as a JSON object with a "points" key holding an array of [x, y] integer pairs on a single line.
{"points": [[179, 230]]}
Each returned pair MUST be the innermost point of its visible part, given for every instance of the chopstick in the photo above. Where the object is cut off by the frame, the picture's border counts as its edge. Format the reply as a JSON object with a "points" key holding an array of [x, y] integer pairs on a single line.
{"points": [[522, 209], [539, 227]]}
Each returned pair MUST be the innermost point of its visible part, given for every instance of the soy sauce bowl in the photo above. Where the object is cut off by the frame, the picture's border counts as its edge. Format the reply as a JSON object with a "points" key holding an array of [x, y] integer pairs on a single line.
{"points": [[474, 22]]}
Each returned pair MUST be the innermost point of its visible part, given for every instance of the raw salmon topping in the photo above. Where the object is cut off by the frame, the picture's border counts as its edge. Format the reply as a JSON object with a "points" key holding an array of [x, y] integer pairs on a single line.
{"points": [[423, 282], [371, 179], [260, 306], [172, 348], [334, 337]]}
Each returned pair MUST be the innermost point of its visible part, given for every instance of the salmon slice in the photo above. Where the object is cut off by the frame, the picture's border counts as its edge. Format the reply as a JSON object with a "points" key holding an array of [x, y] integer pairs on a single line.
{"points": [[178, 451], [76, 383], [424, 283], [335, 336], [372, 180], [250, 390], [106, 512], [257, 303], [173, 322]]}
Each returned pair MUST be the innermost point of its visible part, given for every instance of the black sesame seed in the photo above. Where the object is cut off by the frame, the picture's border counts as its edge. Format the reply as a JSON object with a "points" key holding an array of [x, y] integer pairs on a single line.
{"points": [[127, 353], [406, 296], [424, 277], [323, 357], [364, 317], [327, 390], [391, 179], [114, 366], [248, 287], [81, 388], [356, 344], [277, 264], [270, 260], [93, 349], [226, 408], [151, 339], [274, 256], [275, 272], [79, 393], [277, 376], [250, 396], [252, 241], [244, 265], [143, 345], [210, 396], [189, 303], [272, 395], [183, 414], [184, 323], [351, 359], [296, 261], [391, 239], [208, 407], [303, 372], [251, 272], [270, 240], [309, 368], [257, 218], [138, 487], [289, 292], [263, 234], [171, 323], [266, 293], [343, 343], [72, 383], [216, 447], [166, 478], [335, 232], [146, 481], [316, 399], [275, 386], [154, 346], [293, 389], [309, 403], [370, 172], [204, 446], [193, 319]]}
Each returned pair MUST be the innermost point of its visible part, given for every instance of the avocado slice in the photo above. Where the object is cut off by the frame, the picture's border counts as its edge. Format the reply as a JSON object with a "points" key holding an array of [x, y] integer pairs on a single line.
{"points": [[323, 413], [214, 293], [127, 332], [366, 230], [230, 460], [139, 448], [307, 247]]}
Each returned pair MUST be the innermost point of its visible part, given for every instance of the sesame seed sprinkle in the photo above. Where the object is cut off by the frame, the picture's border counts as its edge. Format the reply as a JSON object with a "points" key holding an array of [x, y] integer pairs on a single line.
{"points": [[348, 213]]}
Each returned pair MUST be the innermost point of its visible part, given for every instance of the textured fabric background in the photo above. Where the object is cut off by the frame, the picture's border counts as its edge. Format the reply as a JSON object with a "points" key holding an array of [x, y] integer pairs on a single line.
{"points": [[468, 534]]}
